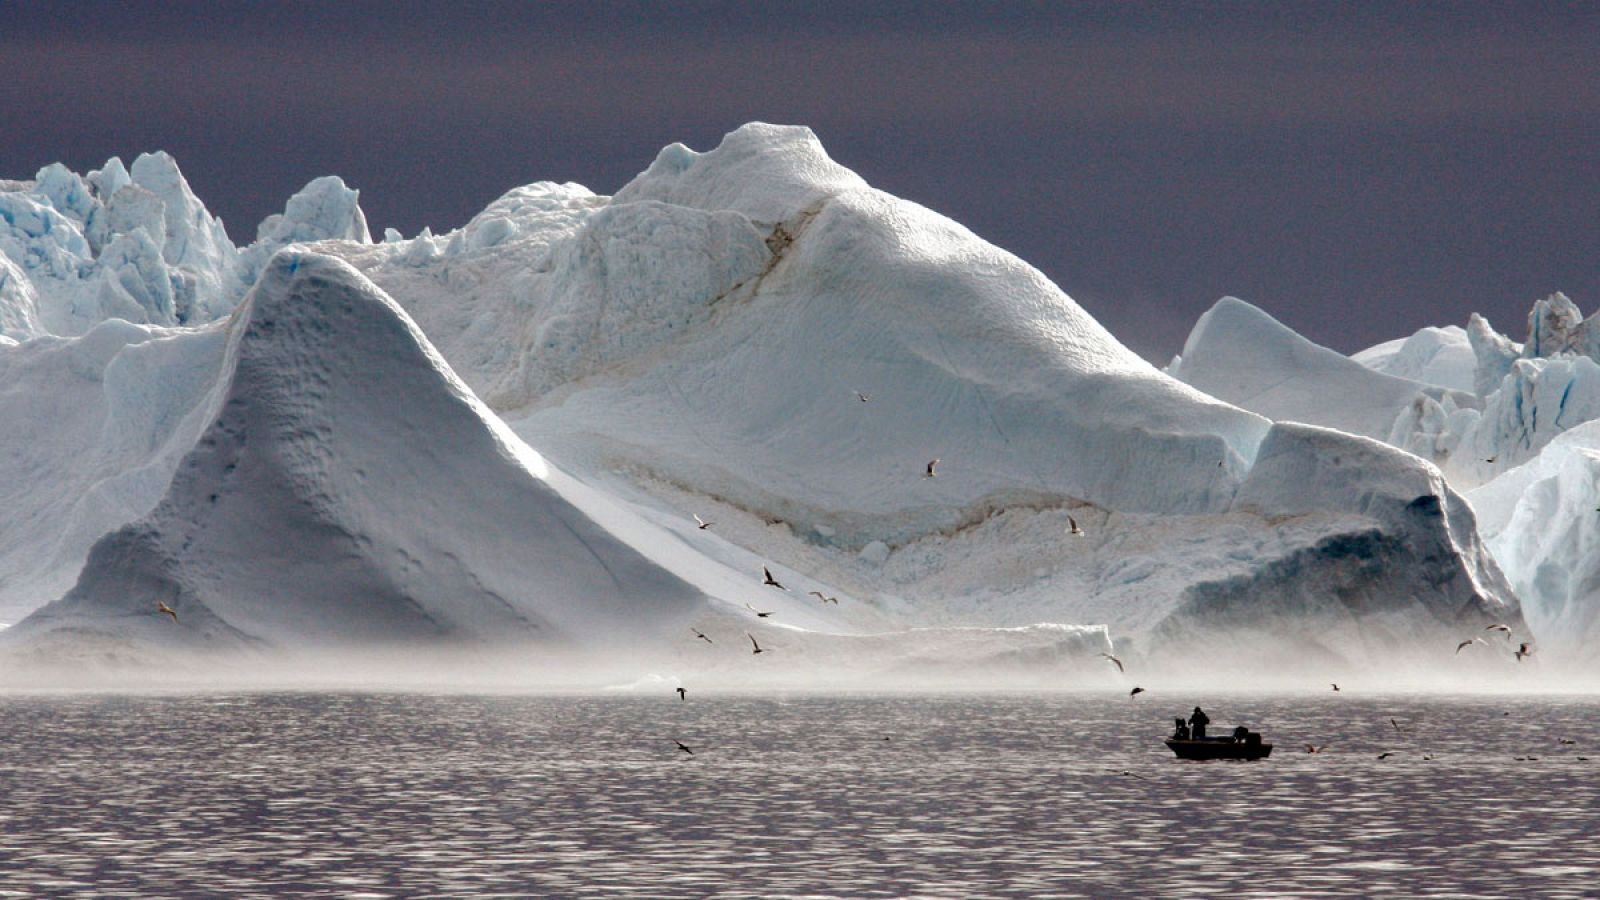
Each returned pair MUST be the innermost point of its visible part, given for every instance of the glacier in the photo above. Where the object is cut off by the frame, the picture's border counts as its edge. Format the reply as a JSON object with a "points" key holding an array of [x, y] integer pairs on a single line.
{"points": [[751, 333]]}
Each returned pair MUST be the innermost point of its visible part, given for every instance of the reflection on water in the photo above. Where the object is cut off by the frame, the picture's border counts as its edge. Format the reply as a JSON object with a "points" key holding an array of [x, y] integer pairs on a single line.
{"points": [[959, 796]]}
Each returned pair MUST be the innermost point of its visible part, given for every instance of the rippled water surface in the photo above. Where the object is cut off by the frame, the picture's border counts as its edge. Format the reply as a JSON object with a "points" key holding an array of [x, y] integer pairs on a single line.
{"points": [[384, 794]]}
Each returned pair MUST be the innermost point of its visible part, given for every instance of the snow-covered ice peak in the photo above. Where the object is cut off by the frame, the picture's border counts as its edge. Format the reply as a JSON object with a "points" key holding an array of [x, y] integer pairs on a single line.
{"points": [[351, 490], [194, 238], [109, 178], [1438, 356], [324, 210], [768, 173], [1556, 327], [1494, 353], [720, 306]]}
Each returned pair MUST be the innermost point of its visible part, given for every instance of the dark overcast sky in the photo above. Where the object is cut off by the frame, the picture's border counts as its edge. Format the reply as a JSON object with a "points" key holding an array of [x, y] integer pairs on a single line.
{"points": [[1358, 169]]}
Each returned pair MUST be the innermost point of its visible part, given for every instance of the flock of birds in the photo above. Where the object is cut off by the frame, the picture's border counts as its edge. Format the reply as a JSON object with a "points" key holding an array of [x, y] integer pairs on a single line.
{"points": [[1523, 651]]}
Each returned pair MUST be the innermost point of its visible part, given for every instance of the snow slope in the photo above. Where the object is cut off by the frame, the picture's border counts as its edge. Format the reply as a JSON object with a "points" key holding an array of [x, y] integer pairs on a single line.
{"points": [[350, 491]]}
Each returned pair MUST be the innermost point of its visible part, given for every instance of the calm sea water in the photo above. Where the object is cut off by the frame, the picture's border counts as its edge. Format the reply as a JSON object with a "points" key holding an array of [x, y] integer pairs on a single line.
{"points": [[383, 795]]}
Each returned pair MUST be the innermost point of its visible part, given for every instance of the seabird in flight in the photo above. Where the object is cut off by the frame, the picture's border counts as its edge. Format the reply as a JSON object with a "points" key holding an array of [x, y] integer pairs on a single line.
{"points": [[1500, 627], [758, 647], [863, 397], [759, 613], [1525, 650], [930, 473], [1135, 692], [682, 746], [702, 635], [1115, 660], [1464, 644], [700, 523], [769, 580], [823, 597], [1072, 526], [683, 693], [166, 610]]}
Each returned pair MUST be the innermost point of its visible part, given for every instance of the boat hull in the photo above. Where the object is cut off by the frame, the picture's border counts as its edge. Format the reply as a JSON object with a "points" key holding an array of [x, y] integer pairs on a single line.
{"points": [[1218, 749]]}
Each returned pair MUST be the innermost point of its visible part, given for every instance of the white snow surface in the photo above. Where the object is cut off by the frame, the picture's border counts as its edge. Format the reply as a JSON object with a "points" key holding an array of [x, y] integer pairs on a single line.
{"points": [[698, 343]]}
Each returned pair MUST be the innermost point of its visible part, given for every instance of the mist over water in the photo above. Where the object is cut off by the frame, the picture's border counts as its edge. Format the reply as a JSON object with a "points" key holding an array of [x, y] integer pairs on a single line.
{"points": [[1027, 794]]}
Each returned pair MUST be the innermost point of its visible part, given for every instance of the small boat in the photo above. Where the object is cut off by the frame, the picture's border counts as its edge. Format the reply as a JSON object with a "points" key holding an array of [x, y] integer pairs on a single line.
{"points": [[1221, 748]]}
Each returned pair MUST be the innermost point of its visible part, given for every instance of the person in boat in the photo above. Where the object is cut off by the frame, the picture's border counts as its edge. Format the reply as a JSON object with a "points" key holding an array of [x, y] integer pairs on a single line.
{"points": [[1181, 731], [1240, 734], [1198, 721]]}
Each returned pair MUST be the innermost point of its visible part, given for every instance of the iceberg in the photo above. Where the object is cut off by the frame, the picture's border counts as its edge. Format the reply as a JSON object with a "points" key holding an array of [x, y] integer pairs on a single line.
{"points": [[137, 244], [1443, 357], [94, 427], [754, 327], [1525, 451], [751, 333], [350, 491], [1541, 519], [1240, 354]]}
